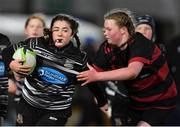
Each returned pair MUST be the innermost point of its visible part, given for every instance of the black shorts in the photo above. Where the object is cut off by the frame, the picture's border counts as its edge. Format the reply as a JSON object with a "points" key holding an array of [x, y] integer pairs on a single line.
{"points": [[154, 117], [28, 115]]}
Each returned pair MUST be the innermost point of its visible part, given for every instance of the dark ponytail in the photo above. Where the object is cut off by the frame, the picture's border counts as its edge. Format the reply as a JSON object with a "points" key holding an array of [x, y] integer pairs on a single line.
{"points": [[77, 40], [48, 37]]}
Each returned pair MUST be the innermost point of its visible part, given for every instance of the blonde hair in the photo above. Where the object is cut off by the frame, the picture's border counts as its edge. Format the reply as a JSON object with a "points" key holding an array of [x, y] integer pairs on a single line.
{"points": [[35, 16], [123, 17]]}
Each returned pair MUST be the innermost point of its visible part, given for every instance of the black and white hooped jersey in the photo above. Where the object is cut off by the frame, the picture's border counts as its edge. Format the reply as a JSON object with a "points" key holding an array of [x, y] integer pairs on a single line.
{"points": [[4, 42], [52, 84], [3, 89]]}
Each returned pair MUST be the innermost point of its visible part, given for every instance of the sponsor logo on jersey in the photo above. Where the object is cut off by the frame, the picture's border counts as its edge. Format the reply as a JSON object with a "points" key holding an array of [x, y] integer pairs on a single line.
{"points": [[68, 64], [2, 68], [52, 76]]}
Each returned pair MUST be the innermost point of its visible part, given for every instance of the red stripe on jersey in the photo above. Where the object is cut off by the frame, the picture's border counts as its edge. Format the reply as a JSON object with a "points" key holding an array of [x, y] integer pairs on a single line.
{"points": [[155, 79], [155, 107], [169, 93], [156, 54], [97, 68], [107, 49]]}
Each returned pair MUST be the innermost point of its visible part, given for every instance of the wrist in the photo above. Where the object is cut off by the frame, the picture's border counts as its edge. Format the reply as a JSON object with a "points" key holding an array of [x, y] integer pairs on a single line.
{"points": [[99, 76]]}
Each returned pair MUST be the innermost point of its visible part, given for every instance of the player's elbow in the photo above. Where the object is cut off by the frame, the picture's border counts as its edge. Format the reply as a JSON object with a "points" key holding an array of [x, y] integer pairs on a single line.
{"points": [[135, 70], [133, 75]]}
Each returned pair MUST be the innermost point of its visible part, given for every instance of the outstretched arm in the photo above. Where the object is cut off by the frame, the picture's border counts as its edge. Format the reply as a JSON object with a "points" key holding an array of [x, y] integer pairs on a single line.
{"points": [[126, 73]]}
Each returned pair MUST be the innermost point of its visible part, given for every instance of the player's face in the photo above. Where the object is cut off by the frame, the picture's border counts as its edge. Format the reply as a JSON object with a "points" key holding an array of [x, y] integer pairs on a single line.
{"points": [[61, 33], [145, 29], [113, 33], [34, 28]]}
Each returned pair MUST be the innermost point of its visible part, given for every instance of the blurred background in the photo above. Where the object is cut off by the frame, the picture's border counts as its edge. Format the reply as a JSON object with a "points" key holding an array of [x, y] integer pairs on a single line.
{"points": [[13, 14], [165, 12]]}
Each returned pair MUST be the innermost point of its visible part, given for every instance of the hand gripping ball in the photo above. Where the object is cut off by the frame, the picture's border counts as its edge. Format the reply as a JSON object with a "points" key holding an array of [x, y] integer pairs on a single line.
{"points": [[27, 55]]}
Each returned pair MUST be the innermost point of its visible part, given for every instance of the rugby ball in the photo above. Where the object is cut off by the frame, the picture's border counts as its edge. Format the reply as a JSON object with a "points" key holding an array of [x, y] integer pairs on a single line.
{"points": [[27, 55]]}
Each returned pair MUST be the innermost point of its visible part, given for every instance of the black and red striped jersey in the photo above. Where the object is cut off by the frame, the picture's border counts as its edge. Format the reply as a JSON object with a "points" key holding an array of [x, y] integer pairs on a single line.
{"points": [[154, 87]]}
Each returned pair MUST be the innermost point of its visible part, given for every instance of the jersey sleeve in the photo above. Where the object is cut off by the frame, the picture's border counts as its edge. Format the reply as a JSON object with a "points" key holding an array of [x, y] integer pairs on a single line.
{"points": [[98, 93], [141, 50], [7, 54], [95, 88], [100, 62]]}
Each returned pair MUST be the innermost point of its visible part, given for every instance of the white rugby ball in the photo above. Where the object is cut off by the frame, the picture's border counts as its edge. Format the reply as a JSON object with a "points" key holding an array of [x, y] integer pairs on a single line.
{"points": [[27, 55]]}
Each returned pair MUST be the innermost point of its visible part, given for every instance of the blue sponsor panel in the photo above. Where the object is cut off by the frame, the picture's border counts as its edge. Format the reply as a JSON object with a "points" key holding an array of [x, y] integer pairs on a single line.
{"points": [[52, 76], [2, 68]]}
